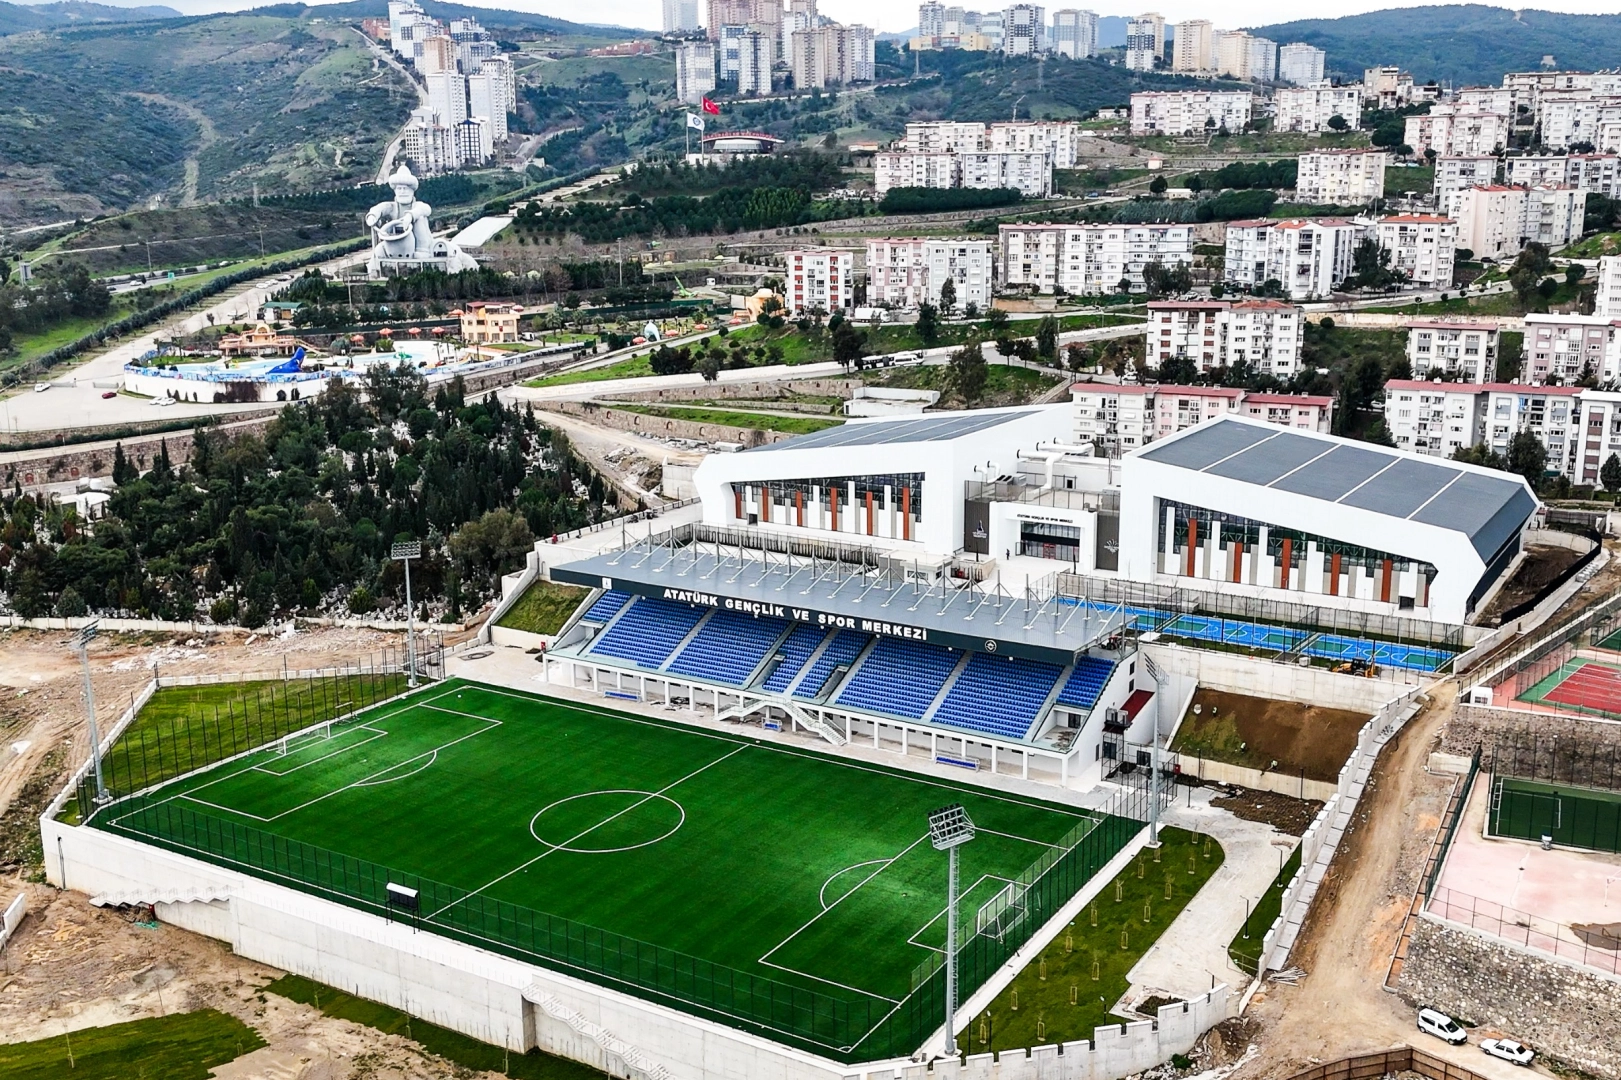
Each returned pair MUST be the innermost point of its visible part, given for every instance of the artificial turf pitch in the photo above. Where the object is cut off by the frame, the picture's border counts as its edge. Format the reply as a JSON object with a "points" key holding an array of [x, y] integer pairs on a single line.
{"points": [[700, 848]]}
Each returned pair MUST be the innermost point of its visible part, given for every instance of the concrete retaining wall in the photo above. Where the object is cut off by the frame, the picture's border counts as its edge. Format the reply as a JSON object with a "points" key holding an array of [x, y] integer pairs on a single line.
{"points": [[1582, 742], [1236, 674], [1222, 773], [1564, 1011], [13, 917], [56, 465], [762, 390]]}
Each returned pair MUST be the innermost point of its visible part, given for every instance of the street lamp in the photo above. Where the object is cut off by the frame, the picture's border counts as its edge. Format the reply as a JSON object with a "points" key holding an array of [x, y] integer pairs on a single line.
{"points": [[949, 829], [81, 645], [404, 551]]}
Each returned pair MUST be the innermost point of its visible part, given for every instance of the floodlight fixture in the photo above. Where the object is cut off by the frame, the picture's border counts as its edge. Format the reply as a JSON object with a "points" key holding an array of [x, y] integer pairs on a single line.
{"points": [[950, 826], [81, 645], [404, 551]]}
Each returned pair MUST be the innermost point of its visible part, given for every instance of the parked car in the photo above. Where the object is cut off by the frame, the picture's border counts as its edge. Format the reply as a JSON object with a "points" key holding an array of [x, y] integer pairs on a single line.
{"points": [[1516, 1052], [109, 394], [1437, 1023]]}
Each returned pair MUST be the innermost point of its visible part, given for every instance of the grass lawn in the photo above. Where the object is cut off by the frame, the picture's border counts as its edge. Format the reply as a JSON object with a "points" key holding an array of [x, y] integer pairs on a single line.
{"points": [[1004, 385], [632, 367], [1068, 989], [543, 608], [451, 1045], [792, 425], [1490, 304], [1594, 246], [185, 1046], [571, 835], [1420, 178], [1245, 948], [185, 727]]}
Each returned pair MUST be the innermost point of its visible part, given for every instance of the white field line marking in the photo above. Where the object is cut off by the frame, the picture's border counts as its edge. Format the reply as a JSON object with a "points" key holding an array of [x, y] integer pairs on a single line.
{"points": [[378, 733], [384, 778], [885, 864], [570, 841], [821, 897], [961, 900], [976, 792]]}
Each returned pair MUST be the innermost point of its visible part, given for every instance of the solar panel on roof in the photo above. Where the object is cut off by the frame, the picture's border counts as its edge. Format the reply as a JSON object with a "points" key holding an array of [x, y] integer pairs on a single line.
{"points": [[1208, 444], [1335, 473], [1402, 488], [1266, 461], [889, 432]]}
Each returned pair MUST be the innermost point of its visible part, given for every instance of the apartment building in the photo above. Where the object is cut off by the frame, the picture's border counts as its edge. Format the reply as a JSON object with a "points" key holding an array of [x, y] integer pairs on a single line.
{"points": [[1189, 112], [1145, 42], [1434, 418], [1496, 221], [830, 55], [1486, 99], [1565, 348], [970, 266], [1449, 131], [1118, 418], [943, 136], [1549, 412], [1453, 173], [1300, 64], [1608, 299], [1422, 246], [1553, 216], [1075, 33], [1388, 87], [904, 272], [1268, 335], [1087, 259], [1569, 118], [1598, 434], [694, 70], [1312, 107], [1059, 140], [1309, 257], [818, 279], [901, 170], [1597, 174], [1453, 350], [896, 273], [1024, 30], [1240, 55], [1348, 177], [1193, 52], [1028, 172]]}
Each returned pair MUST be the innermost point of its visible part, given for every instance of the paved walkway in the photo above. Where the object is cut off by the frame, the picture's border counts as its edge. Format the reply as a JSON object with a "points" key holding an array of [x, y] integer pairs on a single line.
{"points": [[1191, 956]]}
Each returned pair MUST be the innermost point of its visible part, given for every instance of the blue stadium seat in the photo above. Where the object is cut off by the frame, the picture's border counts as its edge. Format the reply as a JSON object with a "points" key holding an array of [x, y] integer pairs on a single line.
{"points": [[648, 632], [607, 606], [900, 677], [1086, 682], [844, 647], [728, 648], [997, 695], [795, 652]]}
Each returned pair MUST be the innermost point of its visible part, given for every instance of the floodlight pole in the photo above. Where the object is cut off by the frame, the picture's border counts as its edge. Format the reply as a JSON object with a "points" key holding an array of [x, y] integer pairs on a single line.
{"points": [[951, 952], [1154, 779], [405, 551], [81, 644]]}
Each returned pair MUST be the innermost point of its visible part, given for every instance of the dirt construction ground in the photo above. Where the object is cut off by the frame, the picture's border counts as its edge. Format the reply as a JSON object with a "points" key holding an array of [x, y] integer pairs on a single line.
{"points": [[1260, 733], [71, 966]]}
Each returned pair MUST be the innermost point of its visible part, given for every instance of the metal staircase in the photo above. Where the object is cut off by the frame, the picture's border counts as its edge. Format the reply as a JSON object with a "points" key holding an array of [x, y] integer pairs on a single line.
{"points": [[621, 1058]]}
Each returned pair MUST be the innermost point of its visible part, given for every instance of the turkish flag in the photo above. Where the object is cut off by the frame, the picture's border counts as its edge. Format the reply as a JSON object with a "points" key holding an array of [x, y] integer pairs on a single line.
{"points": [[711, 108]]}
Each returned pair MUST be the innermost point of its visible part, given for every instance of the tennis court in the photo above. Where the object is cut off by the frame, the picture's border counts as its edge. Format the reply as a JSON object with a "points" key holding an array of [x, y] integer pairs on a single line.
{"points": [[1268, 637], [775, 889], [1573, 816], [1611, 643], [1581, 684]]}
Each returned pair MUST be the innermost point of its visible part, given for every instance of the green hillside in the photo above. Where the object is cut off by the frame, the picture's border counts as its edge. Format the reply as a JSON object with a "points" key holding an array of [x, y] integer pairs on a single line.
{"points": [[20, 18], [189, 110], [1468, 44]]}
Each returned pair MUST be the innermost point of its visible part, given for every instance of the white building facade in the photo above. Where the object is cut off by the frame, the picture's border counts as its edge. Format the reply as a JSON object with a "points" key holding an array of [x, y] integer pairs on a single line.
{"points": [[1345, 177], [1190, 112]]}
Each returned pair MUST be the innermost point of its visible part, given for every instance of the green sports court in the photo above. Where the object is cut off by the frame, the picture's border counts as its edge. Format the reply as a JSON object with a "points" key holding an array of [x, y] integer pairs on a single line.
{"points": [[1572, 816], [777, 889]]}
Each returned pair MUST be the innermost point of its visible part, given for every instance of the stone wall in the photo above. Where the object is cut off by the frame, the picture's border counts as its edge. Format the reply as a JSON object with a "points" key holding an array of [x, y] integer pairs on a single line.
{"points": [[1573, 749], [661, 426], [57, 465], [1564, 1011]]}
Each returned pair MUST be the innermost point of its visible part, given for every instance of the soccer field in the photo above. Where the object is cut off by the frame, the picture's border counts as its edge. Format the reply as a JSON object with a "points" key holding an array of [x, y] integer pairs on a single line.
{"points": [[777, 889], [1573, 816]]}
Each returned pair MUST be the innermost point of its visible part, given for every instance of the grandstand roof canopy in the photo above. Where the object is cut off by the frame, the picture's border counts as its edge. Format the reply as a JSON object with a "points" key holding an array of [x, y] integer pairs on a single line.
{"points": [[890, 431], [823, 593], [1487, 506]]}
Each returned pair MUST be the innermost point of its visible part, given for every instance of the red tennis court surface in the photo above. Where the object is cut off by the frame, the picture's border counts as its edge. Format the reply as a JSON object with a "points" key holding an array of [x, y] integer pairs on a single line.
{"points": [[1591, 686]]}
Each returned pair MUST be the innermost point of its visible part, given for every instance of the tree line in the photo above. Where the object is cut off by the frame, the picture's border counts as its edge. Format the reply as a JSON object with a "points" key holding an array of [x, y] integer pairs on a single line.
{"points": [[301, 517]]}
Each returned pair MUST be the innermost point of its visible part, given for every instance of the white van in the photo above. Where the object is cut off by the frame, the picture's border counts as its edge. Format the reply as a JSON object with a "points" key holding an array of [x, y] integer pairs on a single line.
{"points": [[1442, 1026]]}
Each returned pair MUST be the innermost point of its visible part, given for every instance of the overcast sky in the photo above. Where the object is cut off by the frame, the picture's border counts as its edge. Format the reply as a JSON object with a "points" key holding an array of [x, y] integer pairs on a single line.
{"points": [[897, 15]]}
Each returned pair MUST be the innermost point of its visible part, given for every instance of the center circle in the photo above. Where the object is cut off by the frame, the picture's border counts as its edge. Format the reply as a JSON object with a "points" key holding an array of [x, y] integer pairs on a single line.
{"points": [[604, 822]]}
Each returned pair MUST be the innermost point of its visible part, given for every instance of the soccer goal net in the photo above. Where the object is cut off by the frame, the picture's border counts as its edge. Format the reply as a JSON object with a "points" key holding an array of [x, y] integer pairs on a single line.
{"points": [[1002, 913], [291, 744]]}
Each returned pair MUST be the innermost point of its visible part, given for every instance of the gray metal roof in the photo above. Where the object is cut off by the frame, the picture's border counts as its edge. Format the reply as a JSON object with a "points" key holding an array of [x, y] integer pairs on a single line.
{"points": [[911, 429], [1488, 509]]}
